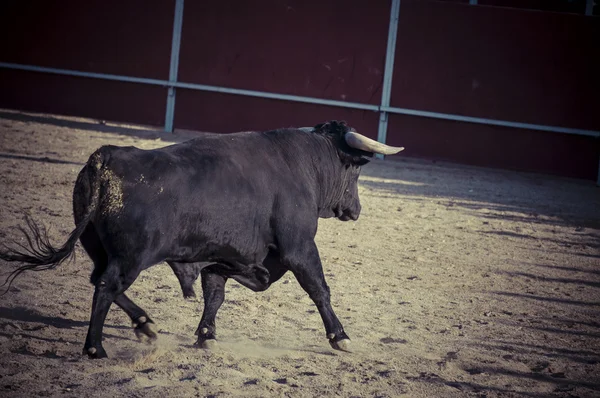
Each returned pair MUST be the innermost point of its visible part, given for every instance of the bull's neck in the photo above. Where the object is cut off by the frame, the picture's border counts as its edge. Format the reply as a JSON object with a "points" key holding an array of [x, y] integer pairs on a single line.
{"points": [[329, 173]]}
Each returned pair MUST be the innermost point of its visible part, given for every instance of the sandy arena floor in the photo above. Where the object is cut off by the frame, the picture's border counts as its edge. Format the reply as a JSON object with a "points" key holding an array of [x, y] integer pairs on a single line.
{"points": [[455, 282]]}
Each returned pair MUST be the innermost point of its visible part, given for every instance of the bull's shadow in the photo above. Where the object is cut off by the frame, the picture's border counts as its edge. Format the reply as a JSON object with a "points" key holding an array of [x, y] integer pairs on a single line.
{"points": [[22, 314], [27, 315]]}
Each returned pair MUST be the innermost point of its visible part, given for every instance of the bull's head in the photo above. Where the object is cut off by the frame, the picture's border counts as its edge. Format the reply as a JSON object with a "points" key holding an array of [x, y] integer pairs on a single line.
{"points": [[354, 150]]}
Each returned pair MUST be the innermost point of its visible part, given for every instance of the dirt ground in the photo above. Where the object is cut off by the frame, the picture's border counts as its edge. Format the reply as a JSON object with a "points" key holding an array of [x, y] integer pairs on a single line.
{"points": [[455, 282]]}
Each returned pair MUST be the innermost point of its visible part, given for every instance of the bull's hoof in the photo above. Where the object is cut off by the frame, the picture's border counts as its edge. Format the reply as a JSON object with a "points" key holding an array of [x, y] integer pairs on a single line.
{"points": [[341, 345], [206, 338], [95, 353], [145, 330], [208, 344]]}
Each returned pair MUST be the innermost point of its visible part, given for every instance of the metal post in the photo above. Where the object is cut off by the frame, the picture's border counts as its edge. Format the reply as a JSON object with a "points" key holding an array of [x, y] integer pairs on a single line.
{"points": [[388, 72], [174, 67], [598, 176], [589, 9]]}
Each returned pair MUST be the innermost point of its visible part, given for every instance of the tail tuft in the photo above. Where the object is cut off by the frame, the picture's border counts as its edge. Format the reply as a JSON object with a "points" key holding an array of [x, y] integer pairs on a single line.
{"points": [[38, 254]]}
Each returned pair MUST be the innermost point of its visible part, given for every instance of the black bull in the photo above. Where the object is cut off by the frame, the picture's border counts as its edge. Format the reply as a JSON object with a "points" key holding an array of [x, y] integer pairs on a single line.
{"points": [[243, 206]]}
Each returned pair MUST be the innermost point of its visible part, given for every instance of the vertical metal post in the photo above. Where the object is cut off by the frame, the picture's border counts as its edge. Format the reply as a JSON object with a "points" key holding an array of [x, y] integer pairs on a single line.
{"points": [[598, 176], [174, 67], [388, 72], [589, 7], [589, 11]]}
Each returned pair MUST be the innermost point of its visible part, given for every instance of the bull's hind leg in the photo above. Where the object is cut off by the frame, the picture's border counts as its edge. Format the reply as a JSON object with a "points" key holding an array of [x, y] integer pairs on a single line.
{"points": [[143, 325], [213, 290], [110, 285], [304, 261]]}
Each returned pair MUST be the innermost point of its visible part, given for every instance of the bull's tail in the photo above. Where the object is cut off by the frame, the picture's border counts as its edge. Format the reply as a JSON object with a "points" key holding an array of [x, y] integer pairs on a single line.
{"points": [[38, 254]]}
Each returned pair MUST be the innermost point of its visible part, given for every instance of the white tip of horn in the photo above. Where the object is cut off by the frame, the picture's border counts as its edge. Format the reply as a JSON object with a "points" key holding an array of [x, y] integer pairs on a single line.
{"points": [[359, 141]]}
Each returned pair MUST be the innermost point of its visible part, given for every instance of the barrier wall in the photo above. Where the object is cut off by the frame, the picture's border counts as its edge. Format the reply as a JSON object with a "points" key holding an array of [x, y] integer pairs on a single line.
{"points": [[110, 36], [484, 61], [498, 63]]}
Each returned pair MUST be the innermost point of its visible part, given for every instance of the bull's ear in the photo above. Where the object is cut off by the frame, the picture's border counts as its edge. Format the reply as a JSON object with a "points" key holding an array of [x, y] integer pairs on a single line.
{"points": [[362, 161], [357, 161]]}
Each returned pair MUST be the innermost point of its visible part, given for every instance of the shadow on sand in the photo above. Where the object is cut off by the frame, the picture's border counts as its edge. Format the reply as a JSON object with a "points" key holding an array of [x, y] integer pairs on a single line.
{"points": [[97, 126], [491, 194]]}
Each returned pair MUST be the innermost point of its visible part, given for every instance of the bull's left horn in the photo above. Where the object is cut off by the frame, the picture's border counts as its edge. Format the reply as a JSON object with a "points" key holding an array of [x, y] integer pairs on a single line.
{"points": [[359, 141]]}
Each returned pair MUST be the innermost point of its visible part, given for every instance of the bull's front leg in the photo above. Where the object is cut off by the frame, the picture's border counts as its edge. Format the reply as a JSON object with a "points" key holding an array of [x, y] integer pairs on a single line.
{"points": [[213, 290], [304, 261]]}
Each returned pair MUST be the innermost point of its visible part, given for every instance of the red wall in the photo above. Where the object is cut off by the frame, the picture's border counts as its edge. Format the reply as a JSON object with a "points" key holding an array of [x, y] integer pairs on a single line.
{"points": [[573, 6], [487, 61], [105, 36], [499, 63], [229, 113], [494, 146], [332, 50], [109, 36], [67, 95]]}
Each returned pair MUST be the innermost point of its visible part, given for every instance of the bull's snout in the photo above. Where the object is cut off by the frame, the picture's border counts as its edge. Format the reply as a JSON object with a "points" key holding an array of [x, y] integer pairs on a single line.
{"points": [[350, 213]]}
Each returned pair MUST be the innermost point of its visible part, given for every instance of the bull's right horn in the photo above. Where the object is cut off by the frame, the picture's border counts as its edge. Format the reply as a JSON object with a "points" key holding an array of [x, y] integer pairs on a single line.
{"points": [[359, 141]]}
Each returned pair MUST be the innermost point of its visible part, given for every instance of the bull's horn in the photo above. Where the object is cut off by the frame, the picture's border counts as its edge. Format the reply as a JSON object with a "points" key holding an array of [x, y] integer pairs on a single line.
{"points": [[359, 141]]}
